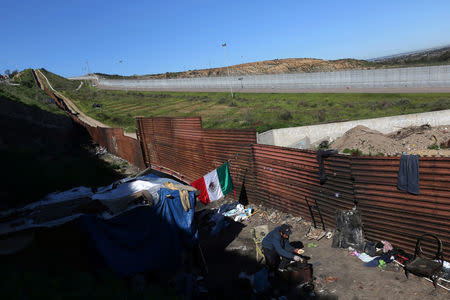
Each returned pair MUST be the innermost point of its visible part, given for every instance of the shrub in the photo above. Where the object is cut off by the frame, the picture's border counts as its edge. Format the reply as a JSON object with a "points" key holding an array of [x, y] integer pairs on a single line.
{"points": [[440, 104], [321, 115], [381, 105], [222, 100], [354, 152], [301, 103], [434, 147], [285, 115]]}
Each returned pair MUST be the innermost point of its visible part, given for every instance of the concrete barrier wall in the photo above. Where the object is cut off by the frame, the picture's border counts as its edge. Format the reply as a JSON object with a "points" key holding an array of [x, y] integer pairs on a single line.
{"points": [[298, 137], [418, 77]]}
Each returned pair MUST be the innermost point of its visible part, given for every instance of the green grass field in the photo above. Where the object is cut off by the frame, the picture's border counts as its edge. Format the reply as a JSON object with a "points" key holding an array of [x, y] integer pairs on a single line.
{"points": [[29, 94], [250, 110], [60, 83]]}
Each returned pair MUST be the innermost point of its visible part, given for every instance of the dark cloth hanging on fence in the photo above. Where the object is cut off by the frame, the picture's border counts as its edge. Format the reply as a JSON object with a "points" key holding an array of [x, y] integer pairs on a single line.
{"points": [[321, 154], [408, 174], [243, 199]]}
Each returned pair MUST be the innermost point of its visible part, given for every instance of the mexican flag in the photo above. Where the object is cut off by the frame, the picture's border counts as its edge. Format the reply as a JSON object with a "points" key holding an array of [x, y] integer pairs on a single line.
{"points": [[214, 185]]}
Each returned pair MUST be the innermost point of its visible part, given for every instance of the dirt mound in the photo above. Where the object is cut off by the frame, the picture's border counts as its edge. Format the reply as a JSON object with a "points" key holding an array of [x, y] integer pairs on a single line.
{"points": [[423, 140]]}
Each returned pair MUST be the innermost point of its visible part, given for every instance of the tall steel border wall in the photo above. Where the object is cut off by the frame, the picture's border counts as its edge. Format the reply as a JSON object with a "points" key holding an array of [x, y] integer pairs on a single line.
{"points": [[417, 77]]}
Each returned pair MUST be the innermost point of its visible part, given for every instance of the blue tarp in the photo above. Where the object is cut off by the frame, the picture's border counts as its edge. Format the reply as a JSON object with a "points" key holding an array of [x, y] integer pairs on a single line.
{"points": [[148, 238]]}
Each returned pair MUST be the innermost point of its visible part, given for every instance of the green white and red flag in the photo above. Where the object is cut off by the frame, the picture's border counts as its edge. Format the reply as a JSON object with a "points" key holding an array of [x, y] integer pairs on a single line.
{"points": [[214, 185]]}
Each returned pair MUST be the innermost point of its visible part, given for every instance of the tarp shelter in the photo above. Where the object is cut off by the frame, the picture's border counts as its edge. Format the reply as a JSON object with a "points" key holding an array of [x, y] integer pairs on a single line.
{"points": [[148, 238]]}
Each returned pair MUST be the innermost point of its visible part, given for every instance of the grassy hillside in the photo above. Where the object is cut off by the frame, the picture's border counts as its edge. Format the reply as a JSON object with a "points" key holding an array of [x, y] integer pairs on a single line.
{"points": [[28, 93], [60, 83], [41, 147], [260, 111]]}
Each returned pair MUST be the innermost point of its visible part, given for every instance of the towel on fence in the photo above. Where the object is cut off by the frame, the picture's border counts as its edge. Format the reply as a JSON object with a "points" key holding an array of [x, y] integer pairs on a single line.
{"points": [[408, 174]]}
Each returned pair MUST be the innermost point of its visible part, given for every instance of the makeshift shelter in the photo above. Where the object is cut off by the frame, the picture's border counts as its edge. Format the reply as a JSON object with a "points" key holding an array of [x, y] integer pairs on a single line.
{"points": [[135, 224], [148, 238]]}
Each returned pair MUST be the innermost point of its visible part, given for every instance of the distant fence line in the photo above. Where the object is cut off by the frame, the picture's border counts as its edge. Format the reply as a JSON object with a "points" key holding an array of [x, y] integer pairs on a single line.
{"points": [[417, 77]]}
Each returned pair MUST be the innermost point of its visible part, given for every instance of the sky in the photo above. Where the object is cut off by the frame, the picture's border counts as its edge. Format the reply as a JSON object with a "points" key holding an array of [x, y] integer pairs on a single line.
{"points": [[148, 37]]}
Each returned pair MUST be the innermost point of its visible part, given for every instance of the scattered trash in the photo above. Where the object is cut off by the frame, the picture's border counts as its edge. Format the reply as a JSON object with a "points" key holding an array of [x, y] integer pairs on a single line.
{"points": [[365, 258], [348, 231], [239, 213], [386, 246], [331, 279], [312, 245], [239, 248], [315, 233], [354, 253], [329, 235], [100, 150], [373, 248]]}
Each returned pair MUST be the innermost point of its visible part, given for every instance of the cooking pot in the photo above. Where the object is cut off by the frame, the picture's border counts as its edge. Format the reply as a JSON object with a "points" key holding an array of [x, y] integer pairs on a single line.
{"points": [[298, 273]]}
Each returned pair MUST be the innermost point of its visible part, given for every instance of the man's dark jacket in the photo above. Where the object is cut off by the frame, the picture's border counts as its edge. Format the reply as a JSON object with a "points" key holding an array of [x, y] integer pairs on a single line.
{"points": [[274, 241]]}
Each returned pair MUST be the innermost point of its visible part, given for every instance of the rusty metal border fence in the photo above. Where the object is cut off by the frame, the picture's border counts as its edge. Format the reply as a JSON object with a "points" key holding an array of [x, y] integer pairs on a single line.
{"points": [[113, 139], [182, 148], [283, 178]]}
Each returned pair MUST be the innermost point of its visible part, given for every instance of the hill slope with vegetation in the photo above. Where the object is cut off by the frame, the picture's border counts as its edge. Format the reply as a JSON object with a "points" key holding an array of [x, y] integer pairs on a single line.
{"points": [[41, 148], [306, 65]]}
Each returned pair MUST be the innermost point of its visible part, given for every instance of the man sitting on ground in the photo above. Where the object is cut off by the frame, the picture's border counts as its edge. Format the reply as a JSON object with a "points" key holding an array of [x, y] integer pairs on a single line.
{"points": [[276, 245]]}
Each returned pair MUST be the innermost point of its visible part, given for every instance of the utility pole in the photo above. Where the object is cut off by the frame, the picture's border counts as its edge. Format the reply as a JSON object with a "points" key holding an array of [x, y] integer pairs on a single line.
{"points": [[224, 45]]}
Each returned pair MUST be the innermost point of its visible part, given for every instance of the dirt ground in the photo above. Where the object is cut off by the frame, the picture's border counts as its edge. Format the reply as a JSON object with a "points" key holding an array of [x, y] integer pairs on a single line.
{"points": [[412, 140], [232, 251]]}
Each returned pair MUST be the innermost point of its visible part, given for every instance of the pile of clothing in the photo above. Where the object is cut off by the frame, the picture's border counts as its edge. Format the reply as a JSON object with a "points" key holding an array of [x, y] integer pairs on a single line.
{"points": [[379, 254], [218, 219]]}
